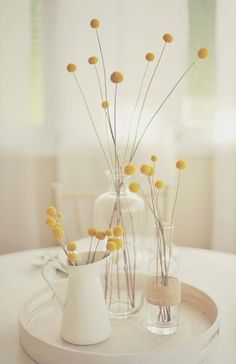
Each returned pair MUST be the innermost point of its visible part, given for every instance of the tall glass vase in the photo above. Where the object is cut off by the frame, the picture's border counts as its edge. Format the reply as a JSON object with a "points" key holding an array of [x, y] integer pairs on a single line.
{"points": [[125, 273], [163, 287]]}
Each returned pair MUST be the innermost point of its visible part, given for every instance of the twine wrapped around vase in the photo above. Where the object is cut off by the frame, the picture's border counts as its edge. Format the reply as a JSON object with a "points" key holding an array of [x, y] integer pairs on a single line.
{"points": [[159, 294]]}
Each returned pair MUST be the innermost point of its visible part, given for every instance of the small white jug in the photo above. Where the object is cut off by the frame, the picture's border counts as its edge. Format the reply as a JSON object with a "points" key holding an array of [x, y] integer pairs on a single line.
{"points": [[85, 319]]}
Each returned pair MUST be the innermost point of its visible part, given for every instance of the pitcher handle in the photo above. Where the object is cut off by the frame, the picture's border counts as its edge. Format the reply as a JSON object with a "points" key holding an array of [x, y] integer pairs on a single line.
{"points": [[46, 272]]}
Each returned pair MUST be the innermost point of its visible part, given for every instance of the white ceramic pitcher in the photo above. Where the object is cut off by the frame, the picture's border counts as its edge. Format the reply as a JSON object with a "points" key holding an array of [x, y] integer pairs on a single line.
{"points": [[85, 319]]}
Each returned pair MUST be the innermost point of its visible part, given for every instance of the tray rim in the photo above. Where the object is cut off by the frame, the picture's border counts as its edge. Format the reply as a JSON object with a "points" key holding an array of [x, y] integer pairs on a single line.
{"points": [[198, 340]]}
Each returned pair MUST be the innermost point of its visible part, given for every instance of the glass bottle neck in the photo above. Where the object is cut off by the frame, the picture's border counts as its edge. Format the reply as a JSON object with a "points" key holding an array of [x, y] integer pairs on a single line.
{"points": [[117, 182]]}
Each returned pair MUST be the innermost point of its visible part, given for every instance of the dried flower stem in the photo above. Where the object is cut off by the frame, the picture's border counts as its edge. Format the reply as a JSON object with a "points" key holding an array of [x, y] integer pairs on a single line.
{"points": [[145, 97], [158, 109], [90, 248], [133, 113], [103, 64], [107, 117], [95, 251], [176, 197], [91, 119]]}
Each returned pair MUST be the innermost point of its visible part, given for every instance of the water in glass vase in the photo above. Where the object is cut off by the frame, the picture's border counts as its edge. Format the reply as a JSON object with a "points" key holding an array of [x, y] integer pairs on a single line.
{"points": [[125, 273], [163, 287]]}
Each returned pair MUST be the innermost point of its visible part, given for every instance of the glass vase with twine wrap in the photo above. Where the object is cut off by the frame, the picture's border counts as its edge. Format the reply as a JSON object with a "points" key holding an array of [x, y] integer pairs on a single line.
{"points": [[125, 272], [163, 287]]}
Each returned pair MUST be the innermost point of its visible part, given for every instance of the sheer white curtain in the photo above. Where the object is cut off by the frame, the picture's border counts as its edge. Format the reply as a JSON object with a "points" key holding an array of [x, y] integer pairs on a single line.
{"points": [[224, 198], [26, 137]]}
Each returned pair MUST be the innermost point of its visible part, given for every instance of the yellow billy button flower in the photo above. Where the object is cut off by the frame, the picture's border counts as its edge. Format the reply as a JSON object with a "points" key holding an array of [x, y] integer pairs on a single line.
{"points": [[93, 60], [72, 246], [119, 243], [72, 257], [58, 224], [105, 104], [181, 164], [51, 222], [153, 158], [95, 23], [145, 169], [109, 233], [151, 171], [117, 77], [159, 184], [118, 230], [71, 67], [100, 235], [51, 210], [58, 232], [92, 231], [150, 57], [134, 187], [168, 38], [111, 245], [202, 53], [130, 169]]}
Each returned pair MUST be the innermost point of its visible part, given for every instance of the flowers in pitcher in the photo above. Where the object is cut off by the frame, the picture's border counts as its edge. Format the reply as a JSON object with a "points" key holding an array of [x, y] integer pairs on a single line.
{"points": [[110, 239]]}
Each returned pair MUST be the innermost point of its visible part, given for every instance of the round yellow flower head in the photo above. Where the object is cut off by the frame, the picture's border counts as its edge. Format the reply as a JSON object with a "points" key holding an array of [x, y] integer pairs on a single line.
{"points": [[203, 53], [60, 215], [51, 210], [117, 77], [111, 245], [100, 235], [153, 158], [145, 169], [150, 57], [51, 222], [159, 184], [92, 231], [151, 171], [95, 23], [134, 187], [58, 232], [93, 60], [119, 243], [72, 246], [168, 38], [181, 164], [118, 230], [105, 104], [130, 169], [58, 224], [72, 257], [109, 233], [71, 67]]}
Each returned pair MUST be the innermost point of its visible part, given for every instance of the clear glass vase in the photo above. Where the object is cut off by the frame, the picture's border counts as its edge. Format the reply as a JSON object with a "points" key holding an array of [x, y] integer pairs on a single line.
{"points": [[163, 287], [124, 276]]}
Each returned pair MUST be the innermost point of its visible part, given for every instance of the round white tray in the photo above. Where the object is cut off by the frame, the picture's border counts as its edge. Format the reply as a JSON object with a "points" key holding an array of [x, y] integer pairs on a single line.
{"points": [[130, 343]]}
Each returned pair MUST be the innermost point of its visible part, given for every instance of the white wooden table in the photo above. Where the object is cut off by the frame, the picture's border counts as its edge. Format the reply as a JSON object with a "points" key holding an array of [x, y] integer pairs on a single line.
{"points": [[213, 272]]}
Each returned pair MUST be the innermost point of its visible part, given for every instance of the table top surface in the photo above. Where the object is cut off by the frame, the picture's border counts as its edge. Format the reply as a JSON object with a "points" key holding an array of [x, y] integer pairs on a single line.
{"points": [[212, 271]]}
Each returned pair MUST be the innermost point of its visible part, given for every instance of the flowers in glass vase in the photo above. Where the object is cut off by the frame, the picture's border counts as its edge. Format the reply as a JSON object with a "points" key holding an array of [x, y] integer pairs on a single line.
{"points": [[162, 291], [110, 239], [119, 162]]}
